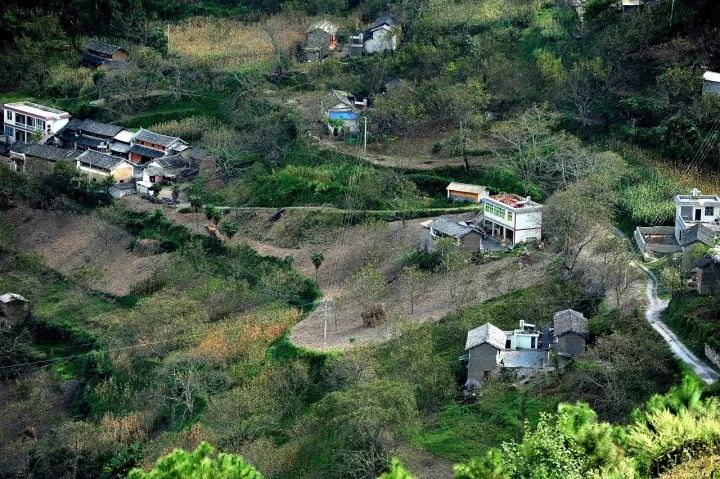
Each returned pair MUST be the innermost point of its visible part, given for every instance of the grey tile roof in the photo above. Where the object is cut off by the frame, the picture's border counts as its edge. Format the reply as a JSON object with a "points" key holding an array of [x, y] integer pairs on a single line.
{"points": [[100, 161], [145, 151], [102, 47], [569, 321], [155, 138], [44, 152], [175, 161], [698, 232], [119, 147], [448, 227], [89, 59], [323, 25], [91, 127], [384, 19], [487, 333], [709, 259]]}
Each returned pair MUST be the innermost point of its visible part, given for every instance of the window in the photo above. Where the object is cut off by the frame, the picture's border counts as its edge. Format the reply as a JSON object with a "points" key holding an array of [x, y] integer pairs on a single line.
{"points": [[10, 131], [21, 136], [709, 211], [532, 342], [8, 115], [20, 119], [40, 124], [509, 216], [508, 344], [495, 210]]}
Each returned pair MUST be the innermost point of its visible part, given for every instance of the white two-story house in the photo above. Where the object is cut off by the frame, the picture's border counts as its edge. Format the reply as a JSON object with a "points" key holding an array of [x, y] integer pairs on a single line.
{"points": [[696, 214], [24, 119], [510, 218]]}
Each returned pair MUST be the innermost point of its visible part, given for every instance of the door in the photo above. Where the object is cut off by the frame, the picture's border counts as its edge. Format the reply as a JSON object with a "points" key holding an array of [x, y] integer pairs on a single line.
{"points": [[698, 214]]}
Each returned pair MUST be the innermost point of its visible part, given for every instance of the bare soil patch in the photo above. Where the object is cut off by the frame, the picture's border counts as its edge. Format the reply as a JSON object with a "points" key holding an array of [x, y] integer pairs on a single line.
{"points": [[68, 241]]}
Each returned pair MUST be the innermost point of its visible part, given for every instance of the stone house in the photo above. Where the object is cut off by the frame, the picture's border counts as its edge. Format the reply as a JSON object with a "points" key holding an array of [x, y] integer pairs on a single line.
{"points": [[465, 237], [707, 274], [103, 55], [483, 346], [13, 308], [570, 333], [36, 158], [320, 40]]}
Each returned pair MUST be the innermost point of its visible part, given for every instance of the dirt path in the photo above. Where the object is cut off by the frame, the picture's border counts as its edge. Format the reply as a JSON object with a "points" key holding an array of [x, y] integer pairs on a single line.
{"points": [[423, 464], [653, 314]]}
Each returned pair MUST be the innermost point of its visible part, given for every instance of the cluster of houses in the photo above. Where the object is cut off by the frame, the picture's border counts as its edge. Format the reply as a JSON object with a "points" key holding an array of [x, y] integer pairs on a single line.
{"points": [[321, 38], [697, 222], [504, 220], [489, 349], [38, 136]]}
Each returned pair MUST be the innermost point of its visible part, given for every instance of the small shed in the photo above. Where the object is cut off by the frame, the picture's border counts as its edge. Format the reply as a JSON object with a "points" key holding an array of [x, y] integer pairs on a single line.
{"points": [[571, 332], [466, 237], [711, 83], [466, 192], [342, 118], [383, 35], [13, 307], [483, 345], [708, 274], [320, 39]]}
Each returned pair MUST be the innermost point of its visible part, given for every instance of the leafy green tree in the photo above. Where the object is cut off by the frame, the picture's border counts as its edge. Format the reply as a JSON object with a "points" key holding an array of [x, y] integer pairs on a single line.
{"points": [[317, 259], [156, 188], [230, 228], [202, 463], [213, 213]]}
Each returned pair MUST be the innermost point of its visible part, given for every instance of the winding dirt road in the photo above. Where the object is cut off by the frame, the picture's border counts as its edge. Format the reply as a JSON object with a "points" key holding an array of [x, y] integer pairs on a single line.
{"points": [[653, 314]]}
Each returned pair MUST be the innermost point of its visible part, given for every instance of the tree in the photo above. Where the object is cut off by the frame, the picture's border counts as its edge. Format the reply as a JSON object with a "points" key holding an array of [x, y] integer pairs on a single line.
{"points": [[202, 463], [196, 204], [356, 428], [213, 213], [230, 228], [413, 280], [175, 192], [587, 87], [156, 188], [317, 259], [397, 471]]}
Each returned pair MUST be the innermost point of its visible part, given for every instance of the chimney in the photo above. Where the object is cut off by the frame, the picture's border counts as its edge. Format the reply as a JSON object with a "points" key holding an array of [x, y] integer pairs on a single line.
{"points": [[527, 198], [522, 324], [695, 192]]}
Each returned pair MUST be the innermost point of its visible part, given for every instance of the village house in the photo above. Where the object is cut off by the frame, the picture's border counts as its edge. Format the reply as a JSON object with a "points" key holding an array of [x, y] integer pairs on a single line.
{"points": [[697, 221], [170, 168], [320, 40], [510, 219], [13, 309], [92, 135], [707, 273], [147, 145], [342, 119], [25, 120], [36, 158], [489, 348], [711, 83], [465, 192], [463, 235], [693, 211], [382, 36], [570, 333], [103, 55], [99, 166]]}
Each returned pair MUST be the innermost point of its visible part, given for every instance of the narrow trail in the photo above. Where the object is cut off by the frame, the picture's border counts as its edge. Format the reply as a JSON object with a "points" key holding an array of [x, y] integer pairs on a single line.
{"points": [[653, 314]]}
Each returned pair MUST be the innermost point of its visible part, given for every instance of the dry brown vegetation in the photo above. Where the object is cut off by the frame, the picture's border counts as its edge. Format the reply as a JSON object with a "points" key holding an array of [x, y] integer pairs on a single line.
{"points": [[228, 44], [94, 252]]}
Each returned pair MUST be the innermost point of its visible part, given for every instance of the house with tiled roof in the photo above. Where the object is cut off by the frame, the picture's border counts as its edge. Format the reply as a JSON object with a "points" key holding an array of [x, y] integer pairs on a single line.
{"points": [[36, 158], [89, 135], [707, 273], [464, 236], [147, 145], [489, 348], [103, 55], [99, 166], [570, 332]]}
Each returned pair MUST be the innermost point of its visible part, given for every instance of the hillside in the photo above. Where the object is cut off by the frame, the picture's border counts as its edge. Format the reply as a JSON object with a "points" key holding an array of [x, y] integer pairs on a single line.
{"points": [[291, 295]]}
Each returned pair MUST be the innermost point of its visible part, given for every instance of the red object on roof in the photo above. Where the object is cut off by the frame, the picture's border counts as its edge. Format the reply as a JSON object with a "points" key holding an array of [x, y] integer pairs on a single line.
{"points": [[511, 200]]}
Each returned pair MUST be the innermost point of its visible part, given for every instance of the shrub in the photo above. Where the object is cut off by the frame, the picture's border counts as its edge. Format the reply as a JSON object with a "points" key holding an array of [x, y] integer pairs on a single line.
{"points": [[375, 315]]}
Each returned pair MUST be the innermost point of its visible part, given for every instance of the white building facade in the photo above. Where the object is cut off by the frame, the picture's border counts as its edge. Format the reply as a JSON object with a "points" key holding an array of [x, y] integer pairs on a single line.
{"points": [[694, 209], [510, 218], [24, 120]]}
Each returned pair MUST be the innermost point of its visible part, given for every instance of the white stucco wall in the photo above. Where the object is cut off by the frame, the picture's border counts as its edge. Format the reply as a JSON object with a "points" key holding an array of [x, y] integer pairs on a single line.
{"points": [[383, 39]]}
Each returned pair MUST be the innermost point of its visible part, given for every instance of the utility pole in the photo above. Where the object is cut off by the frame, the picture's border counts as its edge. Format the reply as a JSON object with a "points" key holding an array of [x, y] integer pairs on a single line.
{"points": [[326, 313], [365, 138]]}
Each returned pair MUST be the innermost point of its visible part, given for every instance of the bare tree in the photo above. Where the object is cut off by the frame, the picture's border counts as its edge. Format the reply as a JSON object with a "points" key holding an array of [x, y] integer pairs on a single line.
{"points": [[413, 281]]}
